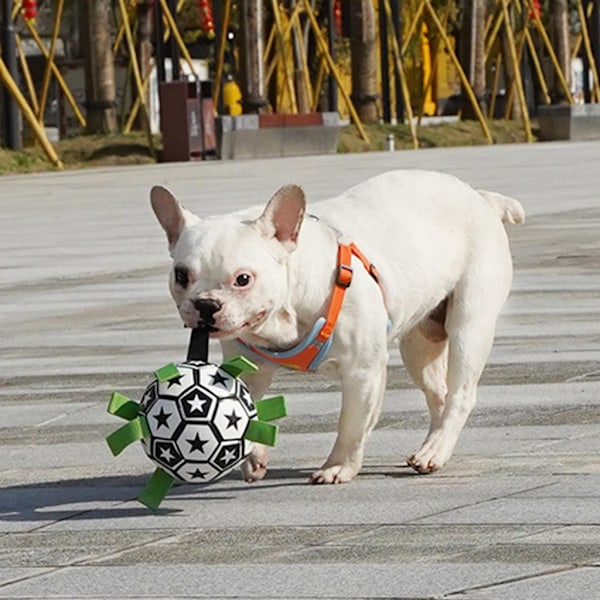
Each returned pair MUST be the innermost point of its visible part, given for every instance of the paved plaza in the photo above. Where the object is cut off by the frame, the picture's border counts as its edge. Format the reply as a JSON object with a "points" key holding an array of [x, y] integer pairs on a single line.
{"points": [[85, 310]]}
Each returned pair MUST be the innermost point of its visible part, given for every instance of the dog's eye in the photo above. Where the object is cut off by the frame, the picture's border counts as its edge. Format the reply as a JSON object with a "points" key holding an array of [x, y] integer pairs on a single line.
{"points": [[243, 280], [181, 276]]}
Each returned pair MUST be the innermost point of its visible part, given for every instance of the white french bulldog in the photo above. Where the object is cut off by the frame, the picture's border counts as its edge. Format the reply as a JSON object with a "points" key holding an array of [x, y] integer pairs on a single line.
{"points": [[425, 260]]}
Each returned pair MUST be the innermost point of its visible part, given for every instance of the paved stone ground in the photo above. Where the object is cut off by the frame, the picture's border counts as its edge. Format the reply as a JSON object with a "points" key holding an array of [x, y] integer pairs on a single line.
{"points": [[84, 310]]}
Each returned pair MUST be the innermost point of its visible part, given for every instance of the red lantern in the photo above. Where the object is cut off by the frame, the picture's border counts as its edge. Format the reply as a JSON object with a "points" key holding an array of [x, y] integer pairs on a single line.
{"points": [[29, 9], [536, 12], [207, 21], [337, 17]]}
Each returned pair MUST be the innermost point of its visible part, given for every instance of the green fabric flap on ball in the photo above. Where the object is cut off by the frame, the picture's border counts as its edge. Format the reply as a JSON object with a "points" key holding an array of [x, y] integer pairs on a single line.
{"points": [[270, 409], [123, 407], [156, 489], [131, 432], [261, 432], [238, 365], [167, 372]]}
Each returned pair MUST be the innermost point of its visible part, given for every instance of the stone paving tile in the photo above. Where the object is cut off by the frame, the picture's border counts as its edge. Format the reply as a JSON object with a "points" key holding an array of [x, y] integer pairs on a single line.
{"points": [[514, 515], [336, 581], [571, 583]]}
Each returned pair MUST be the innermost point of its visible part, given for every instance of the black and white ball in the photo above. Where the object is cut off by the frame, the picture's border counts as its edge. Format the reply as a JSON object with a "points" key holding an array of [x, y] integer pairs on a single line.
{"points": [[197, 422]]}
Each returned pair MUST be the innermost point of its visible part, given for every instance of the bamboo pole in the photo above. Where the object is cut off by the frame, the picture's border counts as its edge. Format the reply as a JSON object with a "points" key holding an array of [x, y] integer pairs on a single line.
{"points": [[221, 53], [540, 28], [318, 84], [50, 60], [135, 107], [302, 49], [27, 75], [588, 49], [578, 40], [137, 76], [333, 69], [519, 53], [400, 73], [465, 82], [57, 74], [271, 40], [16, 9], [30, 117], [174, 31], [538, 67], [412, 28], [118, 39], [280, 39], [518, 82], [491, 37]]}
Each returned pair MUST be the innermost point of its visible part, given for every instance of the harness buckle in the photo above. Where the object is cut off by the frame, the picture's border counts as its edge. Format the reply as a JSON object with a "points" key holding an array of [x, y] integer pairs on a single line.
{"points": [[343, 276]]}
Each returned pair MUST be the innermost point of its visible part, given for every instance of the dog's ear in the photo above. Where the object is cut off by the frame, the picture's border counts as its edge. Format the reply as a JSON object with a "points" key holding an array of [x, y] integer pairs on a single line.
{"points": [[169, 212], [283, 215]]}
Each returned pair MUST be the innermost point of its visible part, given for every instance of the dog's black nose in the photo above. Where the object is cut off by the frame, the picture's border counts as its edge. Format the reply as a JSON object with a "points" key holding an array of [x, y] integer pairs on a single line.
{"points": [[207, 307]]}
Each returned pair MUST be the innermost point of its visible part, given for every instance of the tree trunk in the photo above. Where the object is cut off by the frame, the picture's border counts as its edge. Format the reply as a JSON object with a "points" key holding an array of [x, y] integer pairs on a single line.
{"points": [[98, 57], [512, 111], [478, 81], [144, 17], [363, 49], [252, 73], [559, 19], [472, 51]]}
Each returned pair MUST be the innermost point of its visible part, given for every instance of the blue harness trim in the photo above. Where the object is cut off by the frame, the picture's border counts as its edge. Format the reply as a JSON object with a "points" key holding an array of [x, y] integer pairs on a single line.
{"points": [[310, 340]]}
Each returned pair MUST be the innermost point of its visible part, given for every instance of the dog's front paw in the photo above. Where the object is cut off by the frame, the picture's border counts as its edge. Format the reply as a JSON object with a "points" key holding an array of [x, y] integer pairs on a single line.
{"points": [[255, 466], [432, 455], [333, 474]]}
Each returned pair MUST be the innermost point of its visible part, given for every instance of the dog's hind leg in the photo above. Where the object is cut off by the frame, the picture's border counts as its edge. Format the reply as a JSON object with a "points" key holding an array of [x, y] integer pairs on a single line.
{"points": [[425, 357], [470, 324]]}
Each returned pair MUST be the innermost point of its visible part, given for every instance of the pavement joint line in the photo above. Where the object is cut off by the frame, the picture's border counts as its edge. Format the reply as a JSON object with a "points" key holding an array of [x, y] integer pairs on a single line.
{"points": [[480, 502], [562, 440], [517, 579], [90, 561], [30, 576], [583, 377]]}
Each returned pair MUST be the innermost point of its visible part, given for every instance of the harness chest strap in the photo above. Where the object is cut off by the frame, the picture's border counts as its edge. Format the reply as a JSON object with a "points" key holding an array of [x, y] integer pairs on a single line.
{"points": [[307, 355], [342, 283]]}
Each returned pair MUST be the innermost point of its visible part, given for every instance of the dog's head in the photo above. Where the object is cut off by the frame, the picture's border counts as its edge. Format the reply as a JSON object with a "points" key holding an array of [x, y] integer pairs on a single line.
{"points": [[228, 273]]}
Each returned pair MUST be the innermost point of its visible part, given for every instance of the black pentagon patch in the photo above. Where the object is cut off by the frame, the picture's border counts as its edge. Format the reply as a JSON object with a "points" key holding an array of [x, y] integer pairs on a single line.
{"points": [[228, 455], [197, 405], [166, 453]]}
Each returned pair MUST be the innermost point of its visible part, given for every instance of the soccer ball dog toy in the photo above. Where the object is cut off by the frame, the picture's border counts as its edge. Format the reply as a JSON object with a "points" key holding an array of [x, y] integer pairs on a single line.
{"points": [[196, 420]]}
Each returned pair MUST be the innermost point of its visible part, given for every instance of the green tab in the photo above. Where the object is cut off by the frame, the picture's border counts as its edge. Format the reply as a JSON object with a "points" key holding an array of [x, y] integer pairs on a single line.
{"points": [[135, 430], [156, 489], [263, 433], [123, 407], [270, 409], [167, 372], [238, 365]]}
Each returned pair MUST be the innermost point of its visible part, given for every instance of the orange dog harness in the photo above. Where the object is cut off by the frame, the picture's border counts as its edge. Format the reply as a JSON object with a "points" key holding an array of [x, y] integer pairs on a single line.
{"points": [[311, 351]]}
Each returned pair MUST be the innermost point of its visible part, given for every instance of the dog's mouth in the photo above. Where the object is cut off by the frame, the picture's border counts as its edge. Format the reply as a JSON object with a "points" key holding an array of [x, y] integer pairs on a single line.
{"points": [[220, 333]]}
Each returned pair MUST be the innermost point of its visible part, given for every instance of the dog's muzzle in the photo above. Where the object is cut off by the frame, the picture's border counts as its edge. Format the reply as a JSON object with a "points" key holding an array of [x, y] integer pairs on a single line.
{"points": [[207, 308]]}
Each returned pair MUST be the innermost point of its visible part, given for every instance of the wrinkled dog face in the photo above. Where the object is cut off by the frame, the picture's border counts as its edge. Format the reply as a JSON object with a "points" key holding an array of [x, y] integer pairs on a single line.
{"points": [[228, 274]]}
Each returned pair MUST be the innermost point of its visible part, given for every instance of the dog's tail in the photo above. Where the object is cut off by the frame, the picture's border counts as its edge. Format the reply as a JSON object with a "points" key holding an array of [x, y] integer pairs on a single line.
{"points": [[508, 209]]}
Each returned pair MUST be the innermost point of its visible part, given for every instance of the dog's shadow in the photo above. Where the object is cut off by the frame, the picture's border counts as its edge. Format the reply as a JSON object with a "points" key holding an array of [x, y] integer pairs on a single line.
{"points": [[78, 499]]}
